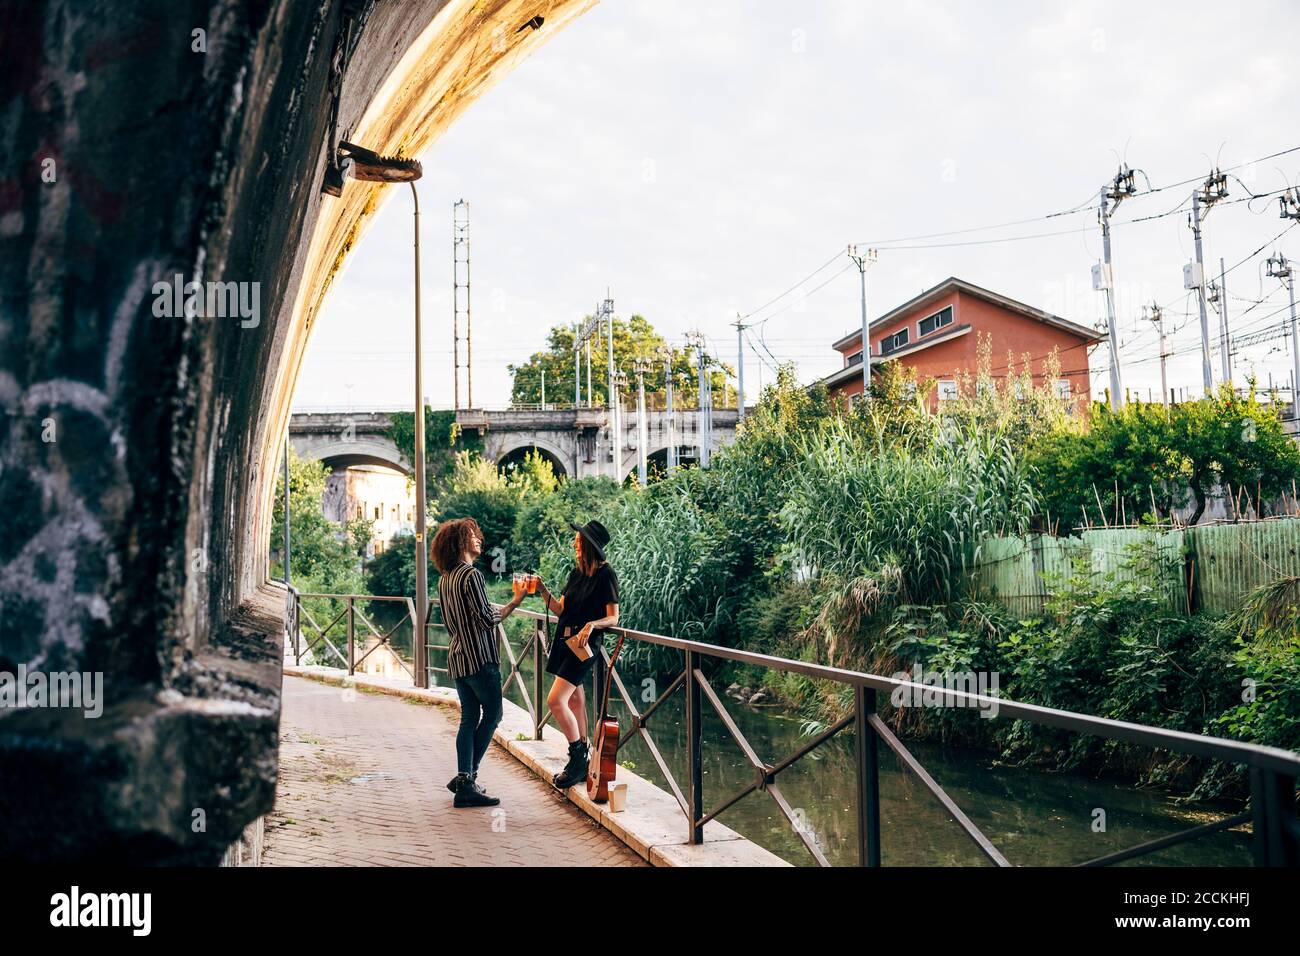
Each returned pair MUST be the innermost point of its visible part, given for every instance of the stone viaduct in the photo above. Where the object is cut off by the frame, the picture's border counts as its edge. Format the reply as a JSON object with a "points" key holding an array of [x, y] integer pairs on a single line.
{"points": [[577, 443]]}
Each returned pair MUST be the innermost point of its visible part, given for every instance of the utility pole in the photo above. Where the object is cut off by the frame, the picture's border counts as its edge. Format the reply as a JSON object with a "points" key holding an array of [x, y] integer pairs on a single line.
{"points": [[1212, 190], [705, 400], [671, 456], [740, 368], [1103, 277], [460, 302], [582, 333], [863, 259], [641, 465], [606, 313], [1156, 315], [1225, 342], [1279, 267], [543, 389], [620, 382]]}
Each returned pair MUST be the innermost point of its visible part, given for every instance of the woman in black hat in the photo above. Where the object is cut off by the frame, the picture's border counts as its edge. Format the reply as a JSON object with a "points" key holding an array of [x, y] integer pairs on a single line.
{"points": [[588, 603]]}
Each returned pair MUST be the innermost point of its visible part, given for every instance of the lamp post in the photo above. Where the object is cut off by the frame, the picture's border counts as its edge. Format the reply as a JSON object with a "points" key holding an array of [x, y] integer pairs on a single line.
{"points": [[368, 166], [420, 644]]}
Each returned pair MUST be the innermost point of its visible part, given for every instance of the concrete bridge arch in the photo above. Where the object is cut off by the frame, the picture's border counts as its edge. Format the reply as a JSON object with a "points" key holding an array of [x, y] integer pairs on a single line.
{"points": [[344, 438]]}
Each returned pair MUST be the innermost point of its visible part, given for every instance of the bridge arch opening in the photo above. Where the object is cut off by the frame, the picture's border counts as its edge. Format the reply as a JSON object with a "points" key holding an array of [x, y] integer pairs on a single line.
{"points": [[516, 457]]}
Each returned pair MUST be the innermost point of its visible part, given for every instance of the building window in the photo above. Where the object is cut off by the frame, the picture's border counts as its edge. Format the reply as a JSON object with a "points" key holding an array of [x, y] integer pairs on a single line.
{"points": [[947, 390], [1062, 388], [934, 322], [893, 342], [854, 399], [376, 512], [854, 359]]}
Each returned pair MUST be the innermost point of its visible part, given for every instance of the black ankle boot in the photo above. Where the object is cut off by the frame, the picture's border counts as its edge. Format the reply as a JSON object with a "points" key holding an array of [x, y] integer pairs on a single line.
{"points": [[470, 794], [575, 771], [454, 783]]}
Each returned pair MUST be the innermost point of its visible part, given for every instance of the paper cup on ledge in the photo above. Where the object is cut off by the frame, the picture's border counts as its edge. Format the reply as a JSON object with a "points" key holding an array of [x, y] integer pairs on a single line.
{"points": [[617, 797]]}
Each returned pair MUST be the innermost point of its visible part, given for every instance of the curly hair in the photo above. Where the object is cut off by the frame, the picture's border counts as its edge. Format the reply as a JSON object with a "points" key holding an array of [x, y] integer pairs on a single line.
{"points": [[448, 547]]}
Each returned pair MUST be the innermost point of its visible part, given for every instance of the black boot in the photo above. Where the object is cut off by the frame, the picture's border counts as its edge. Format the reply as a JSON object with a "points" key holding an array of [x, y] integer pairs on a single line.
{"points": [[454, 783], [470, 794], [575, 771]]}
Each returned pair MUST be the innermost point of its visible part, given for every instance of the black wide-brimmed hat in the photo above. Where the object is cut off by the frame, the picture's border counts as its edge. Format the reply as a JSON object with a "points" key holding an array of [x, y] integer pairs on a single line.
{"points": [[594, 533]]}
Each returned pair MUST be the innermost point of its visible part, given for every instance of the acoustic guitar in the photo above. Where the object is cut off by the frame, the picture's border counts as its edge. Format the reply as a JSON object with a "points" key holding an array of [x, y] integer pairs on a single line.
{"points": [[603, 766]]}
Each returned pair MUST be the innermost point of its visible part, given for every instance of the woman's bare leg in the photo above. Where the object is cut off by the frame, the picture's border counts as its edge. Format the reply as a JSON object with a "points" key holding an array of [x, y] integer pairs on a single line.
{"points": [[578, 705], [558, 703]]}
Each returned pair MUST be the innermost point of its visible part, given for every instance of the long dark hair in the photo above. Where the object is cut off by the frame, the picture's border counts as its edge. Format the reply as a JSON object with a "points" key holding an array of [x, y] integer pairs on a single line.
{"points": [[448, 547], [588, 562]]}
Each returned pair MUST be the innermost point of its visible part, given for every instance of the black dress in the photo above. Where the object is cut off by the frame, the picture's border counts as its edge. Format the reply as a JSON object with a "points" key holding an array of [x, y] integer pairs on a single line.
{"points": [[585, 599]]}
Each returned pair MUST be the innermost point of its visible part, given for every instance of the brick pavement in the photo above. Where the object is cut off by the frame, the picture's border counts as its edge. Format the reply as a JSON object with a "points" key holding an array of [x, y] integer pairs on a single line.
{"points": [[363, 783]]}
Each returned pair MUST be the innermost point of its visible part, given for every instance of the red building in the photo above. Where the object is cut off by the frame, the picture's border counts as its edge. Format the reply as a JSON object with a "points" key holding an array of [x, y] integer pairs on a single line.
{"points": [[937, 333]]}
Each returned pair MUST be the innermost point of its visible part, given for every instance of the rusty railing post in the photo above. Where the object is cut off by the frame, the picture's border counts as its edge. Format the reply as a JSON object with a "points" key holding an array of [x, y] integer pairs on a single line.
{"points": [[1276, 840], [297, 629], [537, 680], [599, 677], [694, 759], [352, 636], [868, 766]]}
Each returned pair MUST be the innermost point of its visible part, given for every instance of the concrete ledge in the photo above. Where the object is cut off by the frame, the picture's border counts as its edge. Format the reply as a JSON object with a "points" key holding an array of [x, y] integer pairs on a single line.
{"points": [[653, 824]]}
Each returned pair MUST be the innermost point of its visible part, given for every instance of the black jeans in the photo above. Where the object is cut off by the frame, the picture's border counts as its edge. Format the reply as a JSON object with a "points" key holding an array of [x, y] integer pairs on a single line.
{"points": [[480, 712]]}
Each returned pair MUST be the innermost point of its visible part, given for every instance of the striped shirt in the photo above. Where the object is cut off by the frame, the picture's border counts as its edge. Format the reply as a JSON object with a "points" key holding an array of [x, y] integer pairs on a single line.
{"points": [[471, 621]]}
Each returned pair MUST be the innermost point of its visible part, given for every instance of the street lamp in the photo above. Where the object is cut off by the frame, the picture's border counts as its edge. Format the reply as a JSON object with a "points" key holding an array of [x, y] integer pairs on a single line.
{"points": [[368, 166], [864, 259]]}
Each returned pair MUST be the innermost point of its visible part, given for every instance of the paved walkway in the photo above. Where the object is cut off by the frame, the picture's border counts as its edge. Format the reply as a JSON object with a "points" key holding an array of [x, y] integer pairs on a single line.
{"points": [[363, 783]]}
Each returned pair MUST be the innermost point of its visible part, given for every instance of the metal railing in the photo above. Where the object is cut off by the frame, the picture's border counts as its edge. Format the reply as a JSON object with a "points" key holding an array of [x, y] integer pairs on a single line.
{"points": [[316, 639], [1273, 772]]}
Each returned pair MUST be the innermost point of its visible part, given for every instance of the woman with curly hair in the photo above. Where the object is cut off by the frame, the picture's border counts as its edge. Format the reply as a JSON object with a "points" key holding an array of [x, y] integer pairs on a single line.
{"points": [[472, 658]]}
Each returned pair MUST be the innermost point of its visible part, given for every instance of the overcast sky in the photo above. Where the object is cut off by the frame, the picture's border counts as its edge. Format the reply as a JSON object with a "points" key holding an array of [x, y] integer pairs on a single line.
{"points": [[701, 158]]}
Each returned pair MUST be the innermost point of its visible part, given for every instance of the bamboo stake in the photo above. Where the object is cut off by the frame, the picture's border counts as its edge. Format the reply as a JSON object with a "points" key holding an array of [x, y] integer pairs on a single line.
{"points": [[1100, 509]]}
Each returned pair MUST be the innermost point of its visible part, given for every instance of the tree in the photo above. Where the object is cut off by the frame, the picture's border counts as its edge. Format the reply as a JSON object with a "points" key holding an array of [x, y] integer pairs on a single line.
{"points": [[633, 339], [320, 551], [542, 522], [1150, 460], [393, 572], [442, 439]]}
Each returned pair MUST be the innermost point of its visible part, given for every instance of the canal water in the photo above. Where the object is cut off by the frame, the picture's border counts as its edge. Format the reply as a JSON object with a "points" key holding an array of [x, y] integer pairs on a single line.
{"points": [[1034, 818]]}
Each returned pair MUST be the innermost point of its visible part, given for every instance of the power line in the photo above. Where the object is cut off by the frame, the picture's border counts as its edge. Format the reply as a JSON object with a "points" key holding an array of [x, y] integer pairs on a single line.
{"points": [[792, 288]]}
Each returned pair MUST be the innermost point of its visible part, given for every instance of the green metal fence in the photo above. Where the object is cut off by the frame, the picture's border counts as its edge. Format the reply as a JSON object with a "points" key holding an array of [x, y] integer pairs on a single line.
{"points": [[1208, 567]]}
